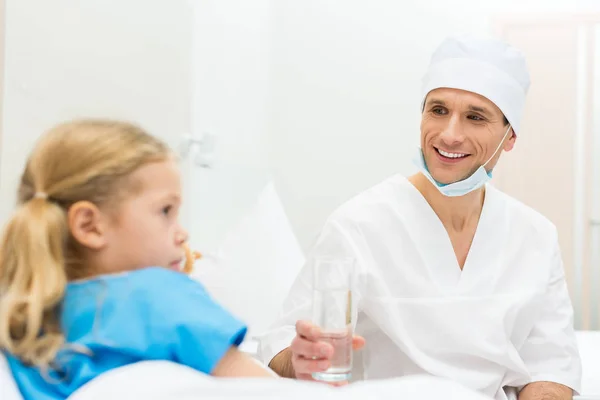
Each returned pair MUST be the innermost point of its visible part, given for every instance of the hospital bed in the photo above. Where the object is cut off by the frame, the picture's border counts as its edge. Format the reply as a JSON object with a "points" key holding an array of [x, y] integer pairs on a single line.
{"points": [[182, 383]]}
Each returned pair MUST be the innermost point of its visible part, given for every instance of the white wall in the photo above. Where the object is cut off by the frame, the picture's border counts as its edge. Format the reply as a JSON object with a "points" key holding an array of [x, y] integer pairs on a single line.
{"points": [[231, 74], [112, 58], [175, 66], [322, 95], [346, 78]]}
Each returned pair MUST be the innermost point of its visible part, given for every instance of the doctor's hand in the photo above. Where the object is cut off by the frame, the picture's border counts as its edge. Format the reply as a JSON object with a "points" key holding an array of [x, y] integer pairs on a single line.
{"points": [[309, 354]]}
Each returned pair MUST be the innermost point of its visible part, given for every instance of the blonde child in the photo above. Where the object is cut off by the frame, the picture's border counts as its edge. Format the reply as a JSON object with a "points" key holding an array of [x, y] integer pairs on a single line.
{"points": [[89, 265]]}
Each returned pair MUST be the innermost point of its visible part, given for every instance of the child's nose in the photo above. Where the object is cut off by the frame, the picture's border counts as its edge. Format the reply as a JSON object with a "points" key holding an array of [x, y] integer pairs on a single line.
{"points": [[182, 236]]}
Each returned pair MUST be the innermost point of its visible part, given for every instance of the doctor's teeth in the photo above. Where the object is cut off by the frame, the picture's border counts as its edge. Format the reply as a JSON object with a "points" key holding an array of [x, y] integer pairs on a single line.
{"points": [[451, 155]]}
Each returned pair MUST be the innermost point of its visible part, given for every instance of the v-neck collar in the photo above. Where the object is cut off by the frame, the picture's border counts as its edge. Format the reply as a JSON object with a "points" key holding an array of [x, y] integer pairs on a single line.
{"points": [[434, 245]]}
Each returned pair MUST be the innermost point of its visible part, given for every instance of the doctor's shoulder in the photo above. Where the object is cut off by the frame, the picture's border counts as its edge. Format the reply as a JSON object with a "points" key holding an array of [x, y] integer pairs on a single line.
{"points": [[528, 220]]}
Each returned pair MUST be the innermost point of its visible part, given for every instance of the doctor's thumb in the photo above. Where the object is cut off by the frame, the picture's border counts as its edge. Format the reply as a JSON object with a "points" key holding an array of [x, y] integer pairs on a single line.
{"points": [[358, 342]]}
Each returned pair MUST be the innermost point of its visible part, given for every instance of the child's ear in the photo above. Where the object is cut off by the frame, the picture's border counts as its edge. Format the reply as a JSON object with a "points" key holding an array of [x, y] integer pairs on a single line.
{"points": [[87, 225]]}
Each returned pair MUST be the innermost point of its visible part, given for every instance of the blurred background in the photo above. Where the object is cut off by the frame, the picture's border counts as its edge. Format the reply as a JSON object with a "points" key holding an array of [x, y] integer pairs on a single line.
{"points": [[282, 109]]}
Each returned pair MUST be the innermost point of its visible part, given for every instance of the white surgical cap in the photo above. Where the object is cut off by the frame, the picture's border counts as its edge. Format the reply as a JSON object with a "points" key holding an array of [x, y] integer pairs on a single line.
{"points": [[486, 66]]}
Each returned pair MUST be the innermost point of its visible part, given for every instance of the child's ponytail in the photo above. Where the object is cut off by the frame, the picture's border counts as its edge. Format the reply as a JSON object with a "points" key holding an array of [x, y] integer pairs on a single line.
{"points": [[33, 280]]}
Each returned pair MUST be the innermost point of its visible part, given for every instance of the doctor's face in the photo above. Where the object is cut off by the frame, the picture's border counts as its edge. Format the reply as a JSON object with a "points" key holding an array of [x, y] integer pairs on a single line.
{"points": [[460, 131]]}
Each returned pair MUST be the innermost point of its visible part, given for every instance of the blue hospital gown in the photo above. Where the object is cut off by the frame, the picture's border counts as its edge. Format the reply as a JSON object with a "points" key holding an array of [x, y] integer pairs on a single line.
{"points": [[148, 314]]}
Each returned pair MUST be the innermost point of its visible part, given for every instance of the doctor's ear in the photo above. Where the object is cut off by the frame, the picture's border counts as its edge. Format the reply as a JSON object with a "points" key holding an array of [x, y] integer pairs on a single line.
{"points": [[87, 224], [510, 143]]}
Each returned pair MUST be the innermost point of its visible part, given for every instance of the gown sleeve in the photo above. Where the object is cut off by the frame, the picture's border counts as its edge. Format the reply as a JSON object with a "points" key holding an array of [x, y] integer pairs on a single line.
{"points": [[196, 329], [550, 352]]}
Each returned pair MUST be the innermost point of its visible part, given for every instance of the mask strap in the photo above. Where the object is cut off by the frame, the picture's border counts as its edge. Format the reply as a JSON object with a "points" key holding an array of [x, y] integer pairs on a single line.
{"points": [[499, 146]]}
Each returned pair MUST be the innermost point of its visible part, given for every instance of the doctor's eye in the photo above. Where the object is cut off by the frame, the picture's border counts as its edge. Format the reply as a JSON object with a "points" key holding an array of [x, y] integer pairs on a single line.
{"points": [[475, 117], [438, 110]]}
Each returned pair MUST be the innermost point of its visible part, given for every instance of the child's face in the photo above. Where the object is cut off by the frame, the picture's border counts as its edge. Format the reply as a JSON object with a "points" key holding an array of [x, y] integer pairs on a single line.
{"points": [[146, 231]]}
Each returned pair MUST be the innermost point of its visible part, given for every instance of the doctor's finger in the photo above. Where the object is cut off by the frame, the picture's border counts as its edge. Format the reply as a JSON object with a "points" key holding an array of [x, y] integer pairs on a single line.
{"points": [[304, 365], [358, 342], [308, 349], [308, 330]]}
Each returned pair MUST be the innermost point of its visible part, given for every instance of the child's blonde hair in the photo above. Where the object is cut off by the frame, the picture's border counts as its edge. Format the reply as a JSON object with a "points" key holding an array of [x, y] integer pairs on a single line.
{"points": [[80, 160]]}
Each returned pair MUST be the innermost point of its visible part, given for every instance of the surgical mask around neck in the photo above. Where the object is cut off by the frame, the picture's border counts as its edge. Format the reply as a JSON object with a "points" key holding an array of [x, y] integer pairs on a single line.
{"points": [[460, 188]]}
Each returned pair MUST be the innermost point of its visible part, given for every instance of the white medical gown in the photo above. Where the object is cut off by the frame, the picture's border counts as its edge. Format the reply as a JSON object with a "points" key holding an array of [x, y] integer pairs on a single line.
{"points": [[505, 320]]}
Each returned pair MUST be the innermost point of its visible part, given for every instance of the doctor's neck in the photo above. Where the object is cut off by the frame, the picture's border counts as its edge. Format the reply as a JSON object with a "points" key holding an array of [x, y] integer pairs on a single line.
{"points": [[455, 213]]}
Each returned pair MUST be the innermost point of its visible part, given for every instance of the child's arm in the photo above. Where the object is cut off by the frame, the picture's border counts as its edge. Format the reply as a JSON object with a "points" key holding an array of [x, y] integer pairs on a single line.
{"points": [[237, 364]]}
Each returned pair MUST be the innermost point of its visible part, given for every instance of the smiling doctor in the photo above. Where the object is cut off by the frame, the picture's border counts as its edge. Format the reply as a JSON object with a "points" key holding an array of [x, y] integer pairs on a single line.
{"points": [[455, 278]]}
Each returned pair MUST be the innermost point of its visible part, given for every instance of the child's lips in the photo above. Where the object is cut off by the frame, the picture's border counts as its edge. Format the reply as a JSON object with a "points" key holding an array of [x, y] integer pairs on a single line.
{"points": [[176, 265]]}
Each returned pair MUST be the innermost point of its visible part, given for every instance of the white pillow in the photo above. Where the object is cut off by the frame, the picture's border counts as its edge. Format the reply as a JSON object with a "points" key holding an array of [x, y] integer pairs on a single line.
{"points": [[254, 267], [8, 386]]}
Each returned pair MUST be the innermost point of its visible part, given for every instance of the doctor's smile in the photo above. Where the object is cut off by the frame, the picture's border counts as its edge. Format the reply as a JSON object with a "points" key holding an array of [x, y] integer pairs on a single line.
{"points": [[449, 157]]}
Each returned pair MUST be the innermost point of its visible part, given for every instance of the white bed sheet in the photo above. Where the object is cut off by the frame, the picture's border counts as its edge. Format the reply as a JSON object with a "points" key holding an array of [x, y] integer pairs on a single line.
{"points": [[157, 380]]}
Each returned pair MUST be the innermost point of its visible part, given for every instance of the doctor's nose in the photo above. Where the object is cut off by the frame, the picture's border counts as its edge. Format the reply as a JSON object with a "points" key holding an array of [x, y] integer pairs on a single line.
{"points": [[452, 134]]}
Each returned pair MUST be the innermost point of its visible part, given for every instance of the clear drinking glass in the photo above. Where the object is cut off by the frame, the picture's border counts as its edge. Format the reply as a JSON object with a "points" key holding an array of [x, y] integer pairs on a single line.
{"points": [[332, 313]]}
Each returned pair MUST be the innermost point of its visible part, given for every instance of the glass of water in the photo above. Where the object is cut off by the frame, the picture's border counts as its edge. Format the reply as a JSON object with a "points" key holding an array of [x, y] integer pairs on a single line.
{"points": [[332, 313]]}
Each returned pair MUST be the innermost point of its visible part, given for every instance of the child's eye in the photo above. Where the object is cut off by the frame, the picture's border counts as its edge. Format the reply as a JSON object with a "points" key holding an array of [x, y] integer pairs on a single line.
{"points": [[167, 209]]}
